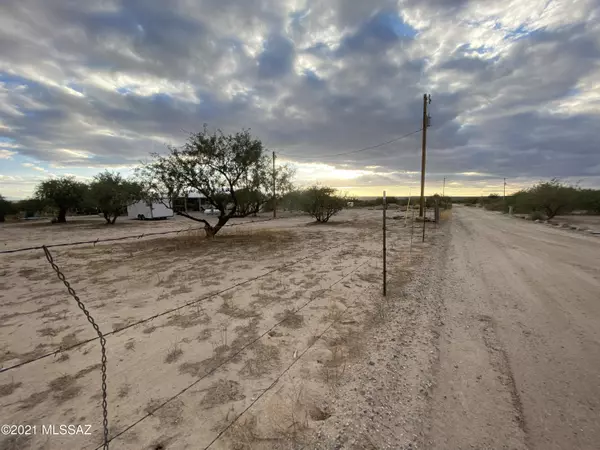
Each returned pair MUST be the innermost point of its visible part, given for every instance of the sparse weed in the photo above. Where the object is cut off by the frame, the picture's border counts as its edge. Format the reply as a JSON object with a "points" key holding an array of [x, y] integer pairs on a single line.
{"points": [[173, 354]]}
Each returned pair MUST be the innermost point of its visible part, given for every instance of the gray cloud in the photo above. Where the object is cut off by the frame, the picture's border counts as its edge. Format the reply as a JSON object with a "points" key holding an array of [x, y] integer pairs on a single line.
{"points": [[117, 79]]}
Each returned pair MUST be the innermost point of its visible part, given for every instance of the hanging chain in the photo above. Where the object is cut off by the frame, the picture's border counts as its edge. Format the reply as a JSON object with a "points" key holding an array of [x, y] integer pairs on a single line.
{"points": [[90, 319]]}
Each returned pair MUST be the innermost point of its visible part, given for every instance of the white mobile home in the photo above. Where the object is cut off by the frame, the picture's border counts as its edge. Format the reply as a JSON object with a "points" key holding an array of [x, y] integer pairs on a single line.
{"points": [[147, 210]]}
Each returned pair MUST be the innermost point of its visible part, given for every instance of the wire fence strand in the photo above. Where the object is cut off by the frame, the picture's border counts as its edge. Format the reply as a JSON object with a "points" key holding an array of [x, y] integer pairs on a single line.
{"points": [[123, 238], [91, 320]]}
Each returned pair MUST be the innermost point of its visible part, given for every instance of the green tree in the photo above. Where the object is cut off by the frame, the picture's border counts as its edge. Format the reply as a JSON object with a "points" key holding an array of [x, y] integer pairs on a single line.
{"points": [[111, 194], [321, 202], [253, 198], [62, 193], [551, 197], [6, 207], [230, 171], [589, 200], [29, 207], [161, 181]]}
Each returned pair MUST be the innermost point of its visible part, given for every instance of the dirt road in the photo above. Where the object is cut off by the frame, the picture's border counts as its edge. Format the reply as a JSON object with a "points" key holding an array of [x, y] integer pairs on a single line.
{"points": [[519, 361]]}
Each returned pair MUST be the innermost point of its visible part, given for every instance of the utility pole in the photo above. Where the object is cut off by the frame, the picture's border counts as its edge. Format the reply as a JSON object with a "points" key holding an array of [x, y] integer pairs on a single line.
{"points": [[384, 246], [444, 188], [426, 119], [504, 196], [274, 196]]}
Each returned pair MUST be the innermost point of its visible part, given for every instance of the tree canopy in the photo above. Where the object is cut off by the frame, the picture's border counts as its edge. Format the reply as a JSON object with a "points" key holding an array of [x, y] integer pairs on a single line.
{"points": [[322, 202], [111, 194], [232, 172], [550, 197], [6, 208], [62, 193]]}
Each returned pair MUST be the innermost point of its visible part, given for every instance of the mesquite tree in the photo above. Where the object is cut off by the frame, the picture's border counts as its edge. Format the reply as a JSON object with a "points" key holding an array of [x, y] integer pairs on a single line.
{"points": [[322, 202], [111, 194], [231, 171], [62, 193]]}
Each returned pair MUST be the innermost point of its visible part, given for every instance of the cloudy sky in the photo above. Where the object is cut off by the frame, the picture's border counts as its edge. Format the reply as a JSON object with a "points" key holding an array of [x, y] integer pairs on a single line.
{"points": [[515, 86]]}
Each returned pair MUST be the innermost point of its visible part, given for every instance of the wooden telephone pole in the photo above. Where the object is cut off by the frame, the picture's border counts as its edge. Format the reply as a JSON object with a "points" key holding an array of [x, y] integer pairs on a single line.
{"points": [[426, 119], [504, 196], [444, 188], [274, 196], [384, 246]]}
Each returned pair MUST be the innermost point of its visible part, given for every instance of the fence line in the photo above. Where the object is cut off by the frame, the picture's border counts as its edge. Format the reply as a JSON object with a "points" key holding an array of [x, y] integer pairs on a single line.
{"points": [[91, 320], [231, 357], [272, 385], [171, 310], [123, 238]]}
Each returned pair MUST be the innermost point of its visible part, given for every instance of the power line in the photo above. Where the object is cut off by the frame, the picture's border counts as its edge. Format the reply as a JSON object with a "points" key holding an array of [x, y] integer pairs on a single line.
{"points": [[353, 151]]}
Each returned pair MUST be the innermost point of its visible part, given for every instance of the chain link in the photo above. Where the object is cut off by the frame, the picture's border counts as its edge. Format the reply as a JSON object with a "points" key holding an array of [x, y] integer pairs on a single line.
{"points": [[90, 319]]}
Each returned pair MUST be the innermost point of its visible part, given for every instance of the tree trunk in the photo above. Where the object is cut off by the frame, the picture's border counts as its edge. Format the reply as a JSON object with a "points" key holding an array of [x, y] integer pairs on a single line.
{"points": [[550, 213], [62, 215], [208, 228], [106, 217], [114, 219], [2, 217]]}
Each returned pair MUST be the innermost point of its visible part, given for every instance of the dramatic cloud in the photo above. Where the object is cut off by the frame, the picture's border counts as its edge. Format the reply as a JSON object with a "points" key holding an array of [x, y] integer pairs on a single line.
{"points": [[515, 87]]}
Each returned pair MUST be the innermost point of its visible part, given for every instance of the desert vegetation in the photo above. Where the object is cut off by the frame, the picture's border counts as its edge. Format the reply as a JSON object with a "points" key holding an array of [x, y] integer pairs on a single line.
{"points": [[544, 200]]}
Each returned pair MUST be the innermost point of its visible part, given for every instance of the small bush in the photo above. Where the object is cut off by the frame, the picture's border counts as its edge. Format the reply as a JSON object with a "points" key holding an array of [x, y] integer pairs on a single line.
{"points": [[322, 203]]}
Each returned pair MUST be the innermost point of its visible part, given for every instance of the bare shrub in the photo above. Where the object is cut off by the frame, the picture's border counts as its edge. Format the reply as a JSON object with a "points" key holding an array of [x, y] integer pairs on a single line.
{"points": [[334, 369], [243, 433]]}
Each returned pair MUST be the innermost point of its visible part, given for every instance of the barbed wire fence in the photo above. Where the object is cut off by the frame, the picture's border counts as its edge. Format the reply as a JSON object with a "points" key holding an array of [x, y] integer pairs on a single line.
{"points": [[123, 238], [91, 320], [101, 337], [168, 311]]}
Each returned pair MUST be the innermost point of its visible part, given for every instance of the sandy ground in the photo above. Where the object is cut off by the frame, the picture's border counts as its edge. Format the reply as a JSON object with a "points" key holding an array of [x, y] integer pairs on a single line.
{"points": [[305, 297], [519, 351], [489, 337]]}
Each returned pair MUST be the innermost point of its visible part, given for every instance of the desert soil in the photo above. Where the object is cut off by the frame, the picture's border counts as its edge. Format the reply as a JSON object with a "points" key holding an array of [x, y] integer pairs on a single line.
{"points": [[268, 316], [489, 337]]}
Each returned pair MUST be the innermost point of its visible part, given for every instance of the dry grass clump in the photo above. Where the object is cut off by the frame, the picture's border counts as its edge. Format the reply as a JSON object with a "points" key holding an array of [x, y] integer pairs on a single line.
{"points": [[266, 359], [173, 354], [290, 319], [9, 388], [222, 392]]}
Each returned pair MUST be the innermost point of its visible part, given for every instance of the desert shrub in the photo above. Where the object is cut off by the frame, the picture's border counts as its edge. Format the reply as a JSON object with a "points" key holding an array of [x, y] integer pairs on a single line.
{"points": [[550, 197], [322, 202]]}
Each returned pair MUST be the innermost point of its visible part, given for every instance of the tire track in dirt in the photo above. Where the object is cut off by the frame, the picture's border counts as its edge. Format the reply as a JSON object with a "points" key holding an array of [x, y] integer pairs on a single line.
{"points": [[520, 346], [499, 360], [475, 403]]}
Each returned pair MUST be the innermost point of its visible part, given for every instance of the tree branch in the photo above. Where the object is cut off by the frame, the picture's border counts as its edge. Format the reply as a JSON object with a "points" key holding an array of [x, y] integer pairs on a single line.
{"points": [[184, 214]]}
